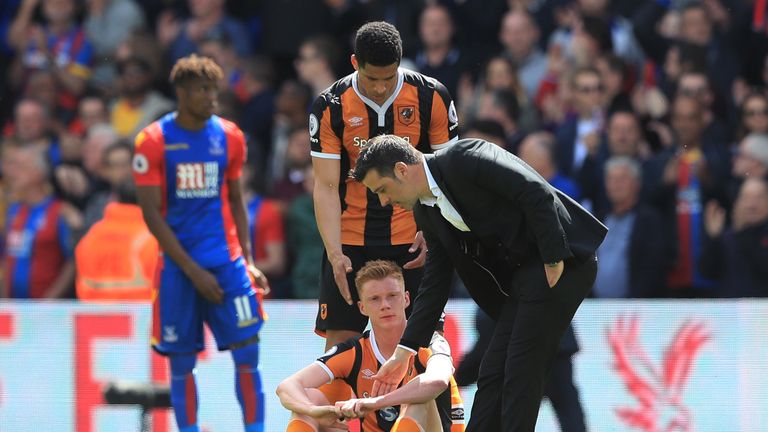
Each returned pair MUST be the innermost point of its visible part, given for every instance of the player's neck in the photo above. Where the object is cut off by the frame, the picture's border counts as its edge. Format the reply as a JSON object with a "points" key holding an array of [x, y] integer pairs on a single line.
{"points": [[188, 121], [387, 339]]}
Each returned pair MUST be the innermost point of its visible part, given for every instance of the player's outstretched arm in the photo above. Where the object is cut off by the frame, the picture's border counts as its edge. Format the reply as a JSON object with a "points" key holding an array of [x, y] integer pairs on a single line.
{"points": [[292, 393], [328, 215], [150, 201]]}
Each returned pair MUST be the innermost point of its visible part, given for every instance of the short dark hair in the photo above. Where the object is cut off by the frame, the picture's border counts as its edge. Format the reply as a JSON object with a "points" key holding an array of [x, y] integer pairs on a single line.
{"points": [[506, 100], [381, 154], [599, 30], [378, 43], [137, 61], [117, 146], [195, 67], [378, 270], [327, 49], [486, 127]]}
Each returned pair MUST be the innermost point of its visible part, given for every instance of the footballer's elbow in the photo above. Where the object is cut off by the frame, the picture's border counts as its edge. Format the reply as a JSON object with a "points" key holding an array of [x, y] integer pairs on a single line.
{"points": [[438, 384]]}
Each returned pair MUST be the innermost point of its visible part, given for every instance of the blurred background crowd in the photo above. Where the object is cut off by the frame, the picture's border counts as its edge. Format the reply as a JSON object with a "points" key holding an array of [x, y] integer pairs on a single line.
{"points": [[652, 113]]}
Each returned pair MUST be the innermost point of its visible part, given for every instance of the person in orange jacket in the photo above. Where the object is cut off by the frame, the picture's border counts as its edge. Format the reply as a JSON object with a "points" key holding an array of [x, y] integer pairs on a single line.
{"points": [[117, 258]]}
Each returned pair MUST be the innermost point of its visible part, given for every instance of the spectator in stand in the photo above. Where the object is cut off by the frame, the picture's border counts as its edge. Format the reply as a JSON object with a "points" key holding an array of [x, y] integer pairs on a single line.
{"points": [[317, 63], [258, 110], [208, 18], [499, 75], [696, 84], [696, 27], [613, 74], [623, 137], [635, 254], [108, 23], [737, 256], [579, 136], [137, 104], [116, 260], [59, 44], [488, 130], [144, 45], [38, 242], [520, 37], [681, 179], [305, 242], [267, 233], [297, 158], [43, 87], [32, 126], [587, 37], [617, 29], [439, 57], [501, 107], [116, 169], [750, 160], [222, 50], [753, 114], [538, 150], [91, 110], [291, 106]]}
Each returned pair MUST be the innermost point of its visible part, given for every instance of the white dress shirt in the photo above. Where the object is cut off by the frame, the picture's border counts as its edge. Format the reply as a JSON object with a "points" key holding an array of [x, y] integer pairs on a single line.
{"points": [[446, 209]]}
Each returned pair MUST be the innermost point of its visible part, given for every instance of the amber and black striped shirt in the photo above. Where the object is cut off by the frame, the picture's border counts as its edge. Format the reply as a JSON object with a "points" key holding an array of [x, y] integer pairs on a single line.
{"points": [[343, 120]]}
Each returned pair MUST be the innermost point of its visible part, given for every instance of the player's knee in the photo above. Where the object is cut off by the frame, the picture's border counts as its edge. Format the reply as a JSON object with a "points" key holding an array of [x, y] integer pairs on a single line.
{"points": [[247, 355], [182, 364], [317, 397], [302, 423], [407, 424]]}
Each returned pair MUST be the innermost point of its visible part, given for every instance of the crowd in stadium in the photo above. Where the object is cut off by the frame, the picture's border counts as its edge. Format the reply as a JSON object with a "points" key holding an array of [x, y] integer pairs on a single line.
{"points": [[652, 114]]}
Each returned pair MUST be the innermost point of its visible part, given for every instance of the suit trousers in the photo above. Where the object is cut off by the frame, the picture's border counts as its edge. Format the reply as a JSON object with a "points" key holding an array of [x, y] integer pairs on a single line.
{"points": [[525, 340]]}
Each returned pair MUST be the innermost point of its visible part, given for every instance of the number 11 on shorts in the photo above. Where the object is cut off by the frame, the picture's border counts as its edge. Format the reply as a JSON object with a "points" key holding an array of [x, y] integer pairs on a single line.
{"points": [[244, 311]]}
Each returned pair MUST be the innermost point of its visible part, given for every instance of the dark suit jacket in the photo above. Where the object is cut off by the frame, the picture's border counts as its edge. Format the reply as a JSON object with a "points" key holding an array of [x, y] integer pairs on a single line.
{"points": [[651, 253], [514, 216]]}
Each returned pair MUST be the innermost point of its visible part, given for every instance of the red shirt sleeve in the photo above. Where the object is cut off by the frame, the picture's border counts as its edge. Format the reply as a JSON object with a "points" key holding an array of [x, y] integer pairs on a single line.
{"points": [[148, 159], [236, 150]]}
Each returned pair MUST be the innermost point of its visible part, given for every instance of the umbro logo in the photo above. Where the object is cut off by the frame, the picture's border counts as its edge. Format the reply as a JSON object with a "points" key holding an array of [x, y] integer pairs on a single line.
{"points": [[367, 373], [355, 121]]}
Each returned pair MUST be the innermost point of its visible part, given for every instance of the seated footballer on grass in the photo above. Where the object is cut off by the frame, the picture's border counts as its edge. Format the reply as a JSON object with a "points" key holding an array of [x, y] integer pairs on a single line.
{"points": [[427, 400]]}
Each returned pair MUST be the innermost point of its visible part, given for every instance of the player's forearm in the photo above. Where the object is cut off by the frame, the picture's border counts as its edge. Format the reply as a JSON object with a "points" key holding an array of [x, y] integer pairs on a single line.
{"points": [[423, 388], [169, 244], [294, 398], [241, 223], [328, 216]]}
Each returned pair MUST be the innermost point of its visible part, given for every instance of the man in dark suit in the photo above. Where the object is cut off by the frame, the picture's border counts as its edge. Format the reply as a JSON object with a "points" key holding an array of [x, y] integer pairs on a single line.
{"points": [[524, 250]]}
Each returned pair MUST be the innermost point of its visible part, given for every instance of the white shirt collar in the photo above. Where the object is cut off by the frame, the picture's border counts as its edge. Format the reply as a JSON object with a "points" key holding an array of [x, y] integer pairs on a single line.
{"points": [[381, 110], [436, 192]]}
